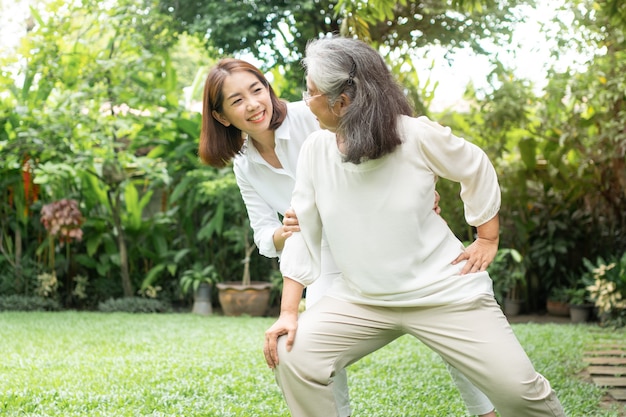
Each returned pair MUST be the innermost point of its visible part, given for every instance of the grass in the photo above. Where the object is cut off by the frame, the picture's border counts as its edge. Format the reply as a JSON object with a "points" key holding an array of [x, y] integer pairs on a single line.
{"points": [[94, 364]]}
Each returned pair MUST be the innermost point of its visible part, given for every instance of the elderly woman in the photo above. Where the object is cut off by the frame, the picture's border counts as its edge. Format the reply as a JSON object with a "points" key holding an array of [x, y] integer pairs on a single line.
{"points": [[369, 178], [243, 121]]}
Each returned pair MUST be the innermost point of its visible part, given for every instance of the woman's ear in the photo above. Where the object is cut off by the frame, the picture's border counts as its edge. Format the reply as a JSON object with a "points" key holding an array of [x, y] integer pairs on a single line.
{"points": [[217, 116], [343, 102]]}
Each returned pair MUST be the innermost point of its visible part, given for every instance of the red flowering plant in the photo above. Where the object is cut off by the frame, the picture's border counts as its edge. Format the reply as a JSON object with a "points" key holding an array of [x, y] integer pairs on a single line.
{"points": [[62, 220]]}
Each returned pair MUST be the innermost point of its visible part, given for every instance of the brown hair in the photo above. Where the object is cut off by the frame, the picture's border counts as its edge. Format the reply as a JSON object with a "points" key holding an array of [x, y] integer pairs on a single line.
{"points": [[218, 143]]}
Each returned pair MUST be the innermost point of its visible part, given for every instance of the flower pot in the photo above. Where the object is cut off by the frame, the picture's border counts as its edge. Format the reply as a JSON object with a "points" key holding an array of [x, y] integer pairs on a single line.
{"points": [[237, 299], [557, 308], [512, 307], [579, 313], [202, 300]]}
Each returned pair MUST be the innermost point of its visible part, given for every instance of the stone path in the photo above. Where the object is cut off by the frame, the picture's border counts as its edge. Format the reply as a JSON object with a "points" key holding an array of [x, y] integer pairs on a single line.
{"points": [[607, 368], [606, 362]]}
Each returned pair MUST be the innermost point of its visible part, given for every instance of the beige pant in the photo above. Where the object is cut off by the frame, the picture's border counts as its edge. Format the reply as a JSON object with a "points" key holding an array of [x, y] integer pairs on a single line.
{"points": [[315, 293], [476, 402], [474, 337]]}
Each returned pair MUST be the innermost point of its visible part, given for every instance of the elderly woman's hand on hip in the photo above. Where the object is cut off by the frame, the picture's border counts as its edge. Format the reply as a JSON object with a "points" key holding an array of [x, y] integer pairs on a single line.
{"points": [[478, 255]]}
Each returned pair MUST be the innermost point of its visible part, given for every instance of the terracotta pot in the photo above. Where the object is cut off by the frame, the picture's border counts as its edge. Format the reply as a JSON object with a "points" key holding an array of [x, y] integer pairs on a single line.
{"points": [[237, 299], [512, 307], [557, 308]]}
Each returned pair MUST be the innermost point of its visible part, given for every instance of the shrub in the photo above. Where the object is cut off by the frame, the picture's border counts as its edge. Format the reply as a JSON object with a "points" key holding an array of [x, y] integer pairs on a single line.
{"points": [[28, 303], [508, 273], [608, 291], [134, 305]]}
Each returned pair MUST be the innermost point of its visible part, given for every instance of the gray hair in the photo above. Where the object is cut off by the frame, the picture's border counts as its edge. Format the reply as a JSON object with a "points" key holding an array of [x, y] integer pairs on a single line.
{"points": [[348, 66]]}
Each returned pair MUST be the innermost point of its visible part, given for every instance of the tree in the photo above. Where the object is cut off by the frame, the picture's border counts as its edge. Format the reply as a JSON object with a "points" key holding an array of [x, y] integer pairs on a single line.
{"points": [[587, 142], [276, 32], [561, 154], [92, 99]]}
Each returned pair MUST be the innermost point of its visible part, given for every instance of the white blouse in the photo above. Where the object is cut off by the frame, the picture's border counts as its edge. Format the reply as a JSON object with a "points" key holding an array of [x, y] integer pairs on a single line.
{"points": [[266, 190], [391, 247]]}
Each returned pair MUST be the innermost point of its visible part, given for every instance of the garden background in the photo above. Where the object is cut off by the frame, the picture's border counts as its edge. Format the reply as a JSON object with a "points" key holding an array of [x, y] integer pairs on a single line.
{"points": [[104, 198]]}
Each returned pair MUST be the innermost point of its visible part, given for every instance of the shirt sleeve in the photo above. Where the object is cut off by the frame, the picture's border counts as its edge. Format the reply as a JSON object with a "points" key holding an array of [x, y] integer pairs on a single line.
{"points": [[263, 218], [459, 160], [301, 257]]}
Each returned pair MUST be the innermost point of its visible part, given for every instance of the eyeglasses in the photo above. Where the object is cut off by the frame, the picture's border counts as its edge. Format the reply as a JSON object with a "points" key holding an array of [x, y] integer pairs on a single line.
{"points": [[307, 97]]}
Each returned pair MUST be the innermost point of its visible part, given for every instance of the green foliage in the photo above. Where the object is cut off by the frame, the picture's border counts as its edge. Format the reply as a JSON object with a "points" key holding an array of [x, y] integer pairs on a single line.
{"points": [[96, 143], [560, 294], [183, 364], [559, 156], [276, 32], [191, 279], [19, 278], [27, 303], [578, 296], [92, 111], [582, 127], [550, 245], [508, 273], [134, 305], [607, 288]]}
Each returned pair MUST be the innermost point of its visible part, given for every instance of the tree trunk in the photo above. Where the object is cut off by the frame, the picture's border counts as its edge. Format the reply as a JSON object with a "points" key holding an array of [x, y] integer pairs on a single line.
{"points": [[116, 204], [246, 263]]}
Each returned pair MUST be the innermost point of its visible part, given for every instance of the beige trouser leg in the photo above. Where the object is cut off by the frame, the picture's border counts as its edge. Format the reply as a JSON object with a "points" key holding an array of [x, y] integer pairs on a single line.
{"points": [[314, 293], [474, 337], [475, 400]]}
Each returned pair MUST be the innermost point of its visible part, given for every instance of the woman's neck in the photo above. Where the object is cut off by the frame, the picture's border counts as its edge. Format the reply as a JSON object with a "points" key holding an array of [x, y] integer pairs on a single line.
{"points": [[264, 142], [265, 145]]}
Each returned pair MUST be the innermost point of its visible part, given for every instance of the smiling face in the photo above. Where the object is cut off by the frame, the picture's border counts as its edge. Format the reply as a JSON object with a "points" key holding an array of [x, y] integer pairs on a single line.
{"points": [[327, 116], [247, 104]]}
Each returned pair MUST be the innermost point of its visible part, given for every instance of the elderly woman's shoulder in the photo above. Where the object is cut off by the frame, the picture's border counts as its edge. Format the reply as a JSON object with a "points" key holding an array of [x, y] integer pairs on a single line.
{"points": [[321, 138], [423, 125]]}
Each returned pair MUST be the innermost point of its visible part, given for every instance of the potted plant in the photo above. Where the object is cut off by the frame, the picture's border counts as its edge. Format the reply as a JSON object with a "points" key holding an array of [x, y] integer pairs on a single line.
{"points": [[199, 280], [557, 303], [509, 280], [229, 233], [245, 297], [579, 305]]}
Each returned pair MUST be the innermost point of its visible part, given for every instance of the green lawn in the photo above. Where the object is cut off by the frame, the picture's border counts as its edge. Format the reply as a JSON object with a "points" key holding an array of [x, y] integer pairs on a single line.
{"points": [[97, 364]]}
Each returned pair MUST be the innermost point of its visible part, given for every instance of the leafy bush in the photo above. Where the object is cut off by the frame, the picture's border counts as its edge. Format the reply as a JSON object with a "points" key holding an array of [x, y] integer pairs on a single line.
{"points": [[508, 273], [27, 303], [134, 305], [191, 279], [608, 291]]}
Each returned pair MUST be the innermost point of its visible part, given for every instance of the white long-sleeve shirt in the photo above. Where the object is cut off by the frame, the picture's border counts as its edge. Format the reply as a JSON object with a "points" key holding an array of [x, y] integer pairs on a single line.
{"points": [[390, 246], [266, 190]]}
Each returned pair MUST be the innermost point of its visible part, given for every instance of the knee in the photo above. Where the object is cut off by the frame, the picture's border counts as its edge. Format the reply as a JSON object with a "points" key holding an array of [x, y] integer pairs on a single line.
{"points": [[520, 392], [536, 389], [302, 364]]}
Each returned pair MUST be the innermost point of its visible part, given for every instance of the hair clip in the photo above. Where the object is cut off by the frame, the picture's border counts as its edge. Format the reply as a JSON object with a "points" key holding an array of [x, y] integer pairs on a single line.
{"points": [[352, 73]]}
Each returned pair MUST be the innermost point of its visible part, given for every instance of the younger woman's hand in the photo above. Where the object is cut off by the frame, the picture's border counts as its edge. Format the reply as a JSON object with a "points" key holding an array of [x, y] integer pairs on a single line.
{"points": [[436, 207], [290, 223]]}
